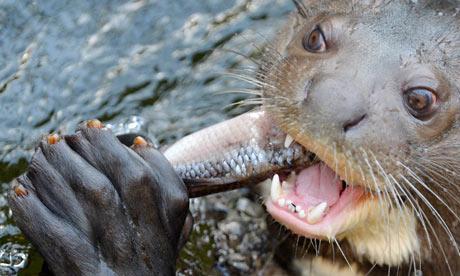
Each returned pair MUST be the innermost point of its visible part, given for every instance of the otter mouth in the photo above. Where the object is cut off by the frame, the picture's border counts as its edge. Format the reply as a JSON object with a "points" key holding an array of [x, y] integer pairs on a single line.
{"points": [[302, 192], [313, 202]]}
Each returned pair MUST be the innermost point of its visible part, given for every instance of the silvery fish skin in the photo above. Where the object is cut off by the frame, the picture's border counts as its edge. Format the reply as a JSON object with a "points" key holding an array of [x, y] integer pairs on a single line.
{"points": [[238, 152]]}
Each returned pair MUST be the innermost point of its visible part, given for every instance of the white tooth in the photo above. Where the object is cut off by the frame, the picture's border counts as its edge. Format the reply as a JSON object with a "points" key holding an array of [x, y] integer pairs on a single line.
{"points": [[302, 214], [288, 202], [282, 202], [316, 213], [291, 208], [275, 191], [298, 209], [288, 141]]}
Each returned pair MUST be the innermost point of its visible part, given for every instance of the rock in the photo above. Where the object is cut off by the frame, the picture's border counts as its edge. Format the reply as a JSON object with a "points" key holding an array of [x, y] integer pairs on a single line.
{"points": [[232, 228], [248, 207]]}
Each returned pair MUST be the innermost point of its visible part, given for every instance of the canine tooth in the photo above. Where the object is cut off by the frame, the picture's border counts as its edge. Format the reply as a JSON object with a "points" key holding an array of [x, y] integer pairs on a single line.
{"points": [[276, 179], [275, 190], [288, 141], [302, 214], [282, 202], [316, 213]]}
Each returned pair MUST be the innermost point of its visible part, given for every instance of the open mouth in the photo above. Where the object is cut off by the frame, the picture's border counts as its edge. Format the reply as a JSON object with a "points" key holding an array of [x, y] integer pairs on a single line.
{"points": [[313, 202], [305, 195]]}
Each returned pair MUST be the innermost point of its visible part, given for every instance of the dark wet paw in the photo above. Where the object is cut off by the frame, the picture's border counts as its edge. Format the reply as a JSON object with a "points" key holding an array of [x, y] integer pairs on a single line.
{"points": [[93, 205]]}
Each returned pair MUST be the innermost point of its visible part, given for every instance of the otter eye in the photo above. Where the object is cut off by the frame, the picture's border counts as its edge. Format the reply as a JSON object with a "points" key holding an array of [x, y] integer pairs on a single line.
{"points": [[421, 102], [315, 42]]}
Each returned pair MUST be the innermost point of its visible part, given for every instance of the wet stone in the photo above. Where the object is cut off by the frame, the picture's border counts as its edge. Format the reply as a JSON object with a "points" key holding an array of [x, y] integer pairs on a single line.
{"points": [[237, 230], [241, 266], [232, 228], [13, 257], [249, 207]]}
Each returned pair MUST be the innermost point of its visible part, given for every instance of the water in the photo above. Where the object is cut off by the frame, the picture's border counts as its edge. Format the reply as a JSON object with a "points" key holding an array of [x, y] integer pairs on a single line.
{"points": [[64, 61]]}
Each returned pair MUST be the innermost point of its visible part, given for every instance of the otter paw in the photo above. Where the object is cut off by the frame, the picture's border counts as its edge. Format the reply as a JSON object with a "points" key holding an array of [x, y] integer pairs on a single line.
{"points": [[92, 205]]}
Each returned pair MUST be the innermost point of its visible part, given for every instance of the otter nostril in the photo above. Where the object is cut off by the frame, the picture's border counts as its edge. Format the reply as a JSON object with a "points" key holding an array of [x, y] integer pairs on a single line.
{"points": [[350, 124]]}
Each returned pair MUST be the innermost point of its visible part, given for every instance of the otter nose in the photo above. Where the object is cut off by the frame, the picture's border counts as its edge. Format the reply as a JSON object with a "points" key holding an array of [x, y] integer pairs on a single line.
{"points": [[350, 124], [340, 103]]}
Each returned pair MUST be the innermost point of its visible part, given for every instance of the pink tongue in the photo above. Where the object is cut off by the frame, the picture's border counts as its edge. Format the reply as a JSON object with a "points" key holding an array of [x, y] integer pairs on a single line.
{"points": [[318, 184]]}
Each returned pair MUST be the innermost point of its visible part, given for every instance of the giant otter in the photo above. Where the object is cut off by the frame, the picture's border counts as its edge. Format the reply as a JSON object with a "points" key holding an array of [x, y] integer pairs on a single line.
{"points": [[371, 88], [357, 134]]}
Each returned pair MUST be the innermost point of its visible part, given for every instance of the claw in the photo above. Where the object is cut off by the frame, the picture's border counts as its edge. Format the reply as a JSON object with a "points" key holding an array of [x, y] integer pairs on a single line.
{"points": [[53, 139], [20, 191], [94, 124], [139, 141]]}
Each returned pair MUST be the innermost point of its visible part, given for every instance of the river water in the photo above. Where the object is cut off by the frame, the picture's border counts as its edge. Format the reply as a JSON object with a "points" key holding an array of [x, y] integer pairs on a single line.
{"points": [[65, 61]]}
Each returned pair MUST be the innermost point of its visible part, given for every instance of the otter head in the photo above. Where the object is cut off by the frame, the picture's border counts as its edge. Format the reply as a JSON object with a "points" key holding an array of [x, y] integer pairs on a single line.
{"points": [[372, 90]]}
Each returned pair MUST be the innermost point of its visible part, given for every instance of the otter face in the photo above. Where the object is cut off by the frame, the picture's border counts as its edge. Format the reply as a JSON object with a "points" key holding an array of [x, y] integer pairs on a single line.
{"points": [[375, 96]]}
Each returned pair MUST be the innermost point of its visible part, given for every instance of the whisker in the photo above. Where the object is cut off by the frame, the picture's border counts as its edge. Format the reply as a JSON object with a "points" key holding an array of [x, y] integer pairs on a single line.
{"points": [[417, 209], [247, 79], [343, 254], [240, 91], [255, 61], [421, 182], [429, 224]]}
